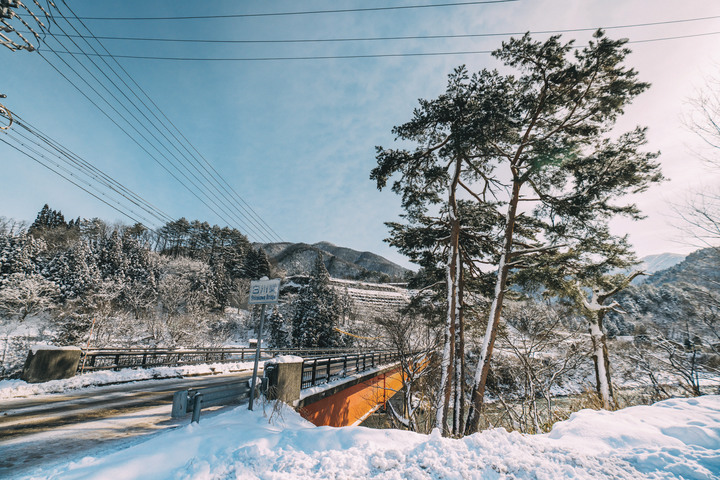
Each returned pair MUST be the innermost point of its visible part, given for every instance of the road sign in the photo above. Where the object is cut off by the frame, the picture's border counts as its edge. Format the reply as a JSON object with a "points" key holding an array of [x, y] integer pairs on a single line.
{"points": [[264, 292]]}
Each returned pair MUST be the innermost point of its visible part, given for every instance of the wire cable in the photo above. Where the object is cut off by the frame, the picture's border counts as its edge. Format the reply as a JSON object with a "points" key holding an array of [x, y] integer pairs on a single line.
{"points": [[408, 37], [86, 168], [371, 55], [212, 197], [306, 12], [136, 127], [245, 208], [132, 137], [122, 212], [207, 186]]}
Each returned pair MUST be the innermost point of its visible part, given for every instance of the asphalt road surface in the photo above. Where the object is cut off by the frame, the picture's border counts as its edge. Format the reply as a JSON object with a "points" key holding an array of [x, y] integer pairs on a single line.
{"points": [[40, 431]]}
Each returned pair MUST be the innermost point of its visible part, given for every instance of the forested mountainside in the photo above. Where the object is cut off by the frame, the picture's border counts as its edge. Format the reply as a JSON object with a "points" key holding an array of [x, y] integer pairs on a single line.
{"points": [[681, 301], [341, 262], [64, 282]]}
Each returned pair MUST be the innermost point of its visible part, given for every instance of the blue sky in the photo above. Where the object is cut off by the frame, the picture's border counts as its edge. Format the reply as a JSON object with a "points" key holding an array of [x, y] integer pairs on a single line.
{"points": [[297, 138]]}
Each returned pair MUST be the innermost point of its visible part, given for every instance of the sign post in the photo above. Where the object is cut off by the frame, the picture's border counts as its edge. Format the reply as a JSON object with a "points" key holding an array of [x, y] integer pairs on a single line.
{"points": [[262, 292]]}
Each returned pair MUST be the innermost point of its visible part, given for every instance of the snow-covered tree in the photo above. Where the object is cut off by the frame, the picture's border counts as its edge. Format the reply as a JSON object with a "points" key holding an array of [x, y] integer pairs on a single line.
{"points": [[317, 311], [20, 254], [23, 294], [539, 143], [279, 329], [256, 264], [75, 271], [50, 225]]}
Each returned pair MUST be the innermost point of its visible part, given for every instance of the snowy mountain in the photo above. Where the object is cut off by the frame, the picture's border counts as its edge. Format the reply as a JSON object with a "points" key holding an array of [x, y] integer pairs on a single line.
{"points": [[685, 291], [652, 264], [662, 261], [341, 262]]}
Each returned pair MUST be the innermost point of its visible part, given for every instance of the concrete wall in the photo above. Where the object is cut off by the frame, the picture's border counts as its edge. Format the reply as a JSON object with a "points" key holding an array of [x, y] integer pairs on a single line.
{"points": [[284, 381], [54, 364]]}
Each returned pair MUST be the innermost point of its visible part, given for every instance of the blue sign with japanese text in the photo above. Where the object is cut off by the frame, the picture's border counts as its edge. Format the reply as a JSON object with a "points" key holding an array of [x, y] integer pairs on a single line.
{"points": [[264, 292]]}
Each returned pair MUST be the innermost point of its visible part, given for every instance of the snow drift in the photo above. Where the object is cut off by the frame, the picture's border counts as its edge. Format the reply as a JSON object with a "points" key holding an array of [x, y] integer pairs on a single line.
{"points": [[677, 438]]}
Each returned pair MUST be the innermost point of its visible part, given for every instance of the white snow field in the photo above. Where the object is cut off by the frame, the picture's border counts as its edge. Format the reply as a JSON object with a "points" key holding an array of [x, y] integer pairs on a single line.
{"points": [[678, 438]]}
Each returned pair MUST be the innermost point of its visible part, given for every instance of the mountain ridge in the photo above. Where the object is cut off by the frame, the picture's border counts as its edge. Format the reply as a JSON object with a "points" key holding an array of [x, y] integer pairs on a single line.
{"points": [[341, 262]]}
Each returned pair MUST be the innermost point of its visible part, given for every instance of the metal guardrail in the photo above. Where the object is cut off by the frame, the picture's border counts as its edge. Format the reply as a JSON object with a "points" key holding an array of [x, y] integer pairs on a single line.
{"points": [[323, 370], [194, 400], [117, 358], [315, 371]]}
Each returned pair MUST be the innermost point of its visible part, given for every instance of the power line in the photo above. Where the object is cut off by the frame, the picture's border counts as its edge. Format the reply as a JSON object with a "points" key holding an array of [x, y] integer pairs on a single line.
{"points": [[139, 124], [131, 117], [306, 12], [308, 57], [84, 167], [359, 56], [80, 166], [256, 225], [125, 131], [124, 213], [245, 210], [407, 37]]}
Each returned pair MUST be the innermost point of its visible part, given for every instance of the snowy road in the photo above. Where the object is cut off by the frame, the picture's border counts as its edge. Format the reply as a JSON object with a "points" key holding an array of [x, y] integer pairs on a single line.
{"points": [[46, 429]]}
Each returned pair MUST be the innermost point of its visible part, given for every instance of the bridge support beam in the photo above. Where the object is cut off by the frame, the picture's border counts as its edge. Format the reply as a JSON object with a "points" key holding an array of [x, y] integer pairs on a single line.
{"points": [[352, 401]]}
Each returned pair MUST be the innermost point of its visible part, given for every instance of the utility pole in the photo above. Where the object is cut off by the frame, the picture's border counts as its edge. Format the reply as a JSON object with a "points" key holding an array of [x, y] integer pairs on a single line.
{"points": [[5, 12], [5, 112], [8, 13]]}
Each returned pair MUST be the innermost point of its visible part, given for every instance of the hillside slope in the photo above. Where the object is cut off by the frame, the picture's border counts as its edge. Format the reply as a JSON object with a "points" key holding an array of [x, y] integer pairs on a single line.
{"points": [[663, 261], [341, 262], [677, 300]]}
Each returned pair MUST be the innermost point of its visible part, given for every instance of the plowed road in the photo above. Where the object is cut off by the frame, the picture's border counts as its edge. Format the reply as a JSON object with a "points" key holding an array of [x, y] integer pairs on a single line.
{"points": [[47, 429]]}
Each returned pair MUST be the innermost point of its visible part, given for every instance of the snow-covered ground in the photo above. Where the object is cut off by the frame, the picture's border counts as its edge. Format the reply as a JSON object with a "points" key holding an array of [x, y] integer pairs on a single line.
{"points": [[19, 388], [678, 438]]}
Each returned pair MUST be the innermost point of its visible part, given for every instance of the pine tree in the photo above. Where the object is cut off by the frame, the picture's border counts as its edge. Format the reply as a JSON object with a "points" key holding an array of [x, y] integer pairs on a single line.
{"points": [[279, 332], [50, 225], [256, 264], [540, 145], [75, 271], [21, 254], [317, 311]]}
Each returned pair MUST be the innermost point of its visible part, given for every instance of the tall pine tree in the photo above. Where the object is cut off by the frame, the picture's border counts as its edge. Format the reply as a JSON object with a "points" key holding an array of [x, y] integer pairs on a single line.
{"points": [[537, 142], [317, 311]]}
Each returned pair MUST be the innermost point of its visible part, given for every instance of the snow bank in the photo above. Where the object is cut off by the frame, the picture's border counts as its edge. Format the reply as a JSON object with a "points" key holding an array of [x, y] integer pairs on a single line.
{"points": [[672, 439], [42, 346], [19, 388], [284, 359]]}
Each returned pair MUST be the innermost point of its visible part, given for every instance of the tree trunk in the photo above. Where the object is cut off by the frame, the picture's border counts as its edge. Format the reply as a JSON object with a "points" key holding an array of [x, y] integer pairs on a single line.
{"points": [[602, 363], [459, 390], [483, 368], [453, 268]]}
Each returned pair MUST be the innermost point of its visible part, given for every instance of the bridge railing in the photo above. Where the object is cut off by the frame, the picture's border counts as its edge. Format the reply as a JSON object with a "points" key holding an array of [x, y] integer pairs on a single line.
{"points": [[318, 371], [117, 358]]}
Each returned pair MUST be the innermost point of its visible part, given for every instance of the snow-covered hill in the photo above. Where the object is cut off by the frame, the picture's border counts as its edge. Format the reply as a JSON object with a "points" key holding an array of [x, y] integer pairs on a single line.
{"points": [[686, 291], [341, 262], [662, 261]]}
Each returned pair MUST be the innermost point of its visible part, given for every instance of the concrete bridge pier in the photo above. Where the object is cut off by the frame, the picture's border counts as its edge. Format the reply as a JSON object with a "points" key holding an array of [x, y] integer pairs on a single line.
{"points": [[284, 380]]}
